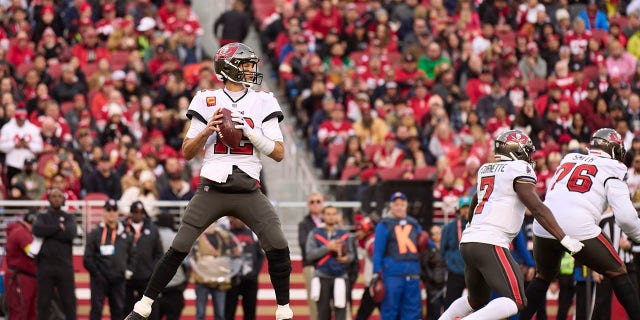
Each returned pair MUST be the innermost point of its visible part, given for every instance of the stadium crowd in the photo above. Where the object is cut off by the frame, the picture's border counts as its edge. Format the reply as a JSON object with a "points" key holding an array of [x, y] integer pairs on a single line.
{"points": [[93, 95]]}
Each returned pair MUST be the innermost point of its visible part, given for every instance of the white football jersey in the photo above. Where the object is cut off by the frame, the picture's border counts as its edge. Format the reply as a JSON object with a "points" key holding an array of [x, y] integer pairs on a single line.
{"points": [[497, 218], [257, 107], [577, 194]]}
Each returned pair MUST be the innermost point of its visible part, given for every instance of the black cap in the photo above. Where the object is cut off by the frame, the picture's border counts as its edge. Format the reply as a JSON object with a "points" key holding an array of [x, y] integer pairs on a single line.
{"points": [[592, 85], [105, 157], [624, 85], [30, 161], [576, 67], [137, 207], [485, 69], [111, 204]]}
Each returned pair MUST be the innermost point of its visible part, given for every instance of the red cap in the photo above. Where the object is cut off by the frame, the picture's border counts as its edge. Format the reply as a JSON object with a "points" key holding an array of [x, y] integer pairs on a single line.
{"points": [[48, 9], [539, 154], [108, 7], [156, 134], [338, 107], [554, 85], [124, 23], [517, 74], [160, 107], [85, 113], [84, 124], [390, 136], [85, 7], [554, 107], [21, 114], [553, 37], [564, 138], [108, 82]]}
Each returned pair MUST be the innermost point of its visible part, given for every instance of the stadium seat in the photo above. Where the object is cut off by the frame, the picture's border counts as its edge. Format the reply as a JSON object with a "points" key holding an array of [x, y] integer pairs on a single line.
{"points": [[55, 71], [536, 86], [335, 150], [22, 69], [119, 59], [348, 172], [590, 72], [425, 173], [600, 34], [390, 173], [371, 149], [66, 107], [43, 159], [90, 69]]}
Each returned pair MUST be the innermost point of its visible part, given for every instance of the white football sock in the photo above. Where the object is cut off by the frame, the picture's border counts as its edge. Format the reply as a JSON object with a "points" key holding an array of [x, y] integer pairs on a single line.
{"points": [[458, 308], [497, 309], [143, 307]]}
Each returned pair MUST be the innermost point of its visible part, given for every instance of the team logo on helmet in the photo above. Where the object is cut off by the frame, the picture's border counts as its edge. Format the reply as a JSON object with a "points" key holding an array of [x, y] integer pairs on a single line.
{"points": [[226, 52], [517, 137], [615, 137]]}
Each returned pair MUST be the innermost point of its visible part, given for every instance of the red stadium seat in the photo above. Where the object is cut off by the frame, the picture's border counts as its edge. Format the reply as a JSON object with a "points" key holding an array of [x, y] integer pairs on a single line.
{"points": [[537, 85], [23, 68], [42, 161], [371, 149], [590, 72], [600, 34], [66, 107], [335, 150], [427, 172], [90, 69], [390, 173], [119, 59], [55, 71], [348, 172]]}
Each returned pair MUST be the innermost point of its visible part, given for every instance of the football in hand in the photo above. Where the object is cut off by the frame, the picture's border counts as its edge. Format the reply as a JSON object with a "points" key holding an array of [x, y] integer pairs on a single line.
{"points": [[228, 134]]}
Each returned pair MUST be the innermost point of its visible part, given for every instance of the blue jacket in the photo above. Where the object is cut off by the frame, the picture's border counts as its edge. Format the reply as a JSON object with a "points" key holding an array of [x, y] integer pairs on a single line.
{"points": [[383, 260], [601, 20], [450, 246], [520, 252]]}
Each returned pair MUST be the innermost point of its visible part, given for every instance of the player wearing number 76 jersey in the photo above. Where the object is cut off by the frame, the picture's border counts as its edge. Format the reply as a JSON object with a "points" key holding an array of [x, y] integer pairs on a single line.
{"points": [[505, 189], [579, 192]]}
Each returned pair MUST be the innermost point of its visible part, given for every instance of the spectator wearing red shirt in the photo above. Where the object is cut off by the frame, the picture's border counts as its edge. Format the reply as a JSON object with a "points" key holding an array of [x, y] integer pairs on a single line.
{"points": [[480, 86], [335, 130], [578, 39], [21, 52], [587, 106], [326, 18], [89, 50], [108, 23], [167, 12], [419, 103], [184, 16], [163, 61], [390, 156], [542, 172], [448, 191], [442, 140], [552, 96], [499, 122], [408, 73], [157, 146]]}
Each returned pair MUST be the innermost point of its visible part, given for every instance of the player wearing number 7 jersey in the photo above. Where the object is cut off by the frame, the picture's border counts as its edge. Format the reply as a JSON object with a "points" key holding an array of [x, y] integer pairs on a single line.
{"points": [[579, 192], [229, 179], [505, 189]]}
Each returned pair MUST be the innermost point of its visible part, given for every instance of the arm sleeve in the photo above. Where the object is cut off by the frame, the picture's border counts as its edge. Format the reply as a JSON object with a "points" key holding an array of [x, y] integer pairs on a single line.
{"points": [[625, 213], [271, 130], [44, 230], [380, 244], [314, 252], [195, 127], [89, 255]]}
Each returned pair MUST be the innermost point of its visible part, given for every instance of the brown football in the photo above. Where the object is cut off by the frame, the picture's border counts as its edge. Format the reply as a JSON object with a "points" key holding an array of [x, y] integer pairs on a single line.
{"points": [[229, 135]]}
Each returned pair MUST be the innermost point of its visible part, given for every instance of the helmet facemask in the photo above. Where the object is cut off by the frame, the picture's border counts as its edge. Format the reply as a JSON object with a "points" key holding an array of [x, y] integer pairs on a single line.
{"points": [[234, 72]]}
